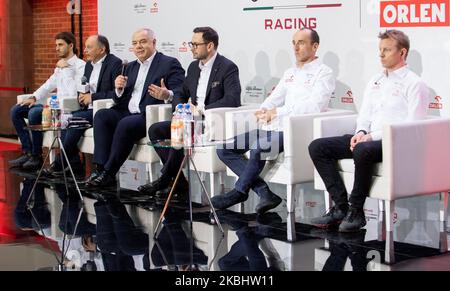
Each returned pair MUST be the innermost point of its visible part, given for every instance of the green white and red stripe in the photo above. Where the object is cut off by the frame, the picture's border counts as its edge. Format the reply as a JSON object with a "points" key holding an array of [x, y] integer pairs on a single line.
{"points": [[285, 7]]}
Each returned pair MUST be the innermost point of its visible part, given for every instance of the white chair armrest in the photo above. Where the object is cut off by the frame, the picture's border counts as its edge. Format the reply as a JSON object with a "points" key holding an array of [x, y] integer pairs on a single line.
{"points": [[298, 134], [215, 122], [69, 103], [240, 121], [156, 113], [102, 104], [334, 125], [416, 157], [23, 97], [165, 112]]}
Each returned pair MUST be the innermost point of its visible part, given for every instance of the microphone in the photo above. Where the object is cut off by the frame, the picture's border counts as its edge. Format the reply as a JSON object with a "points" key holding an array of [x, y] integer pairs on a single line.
{"points": [[84, 86], [124, 66]]}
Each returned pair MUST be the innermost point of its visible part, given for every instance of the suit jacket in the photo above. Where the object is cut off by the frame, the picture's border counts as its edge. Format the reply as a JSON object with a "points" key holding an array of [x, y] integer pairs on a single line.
{"points": [[111, 68], [162, 67], [224, 87]]}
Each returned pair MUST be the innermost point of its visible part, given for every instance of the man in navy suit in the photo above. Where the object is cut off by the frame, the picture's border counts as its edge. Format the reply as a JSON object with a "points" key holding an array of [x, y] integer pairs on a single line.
{"points": [[100, 72], [212, 81], [118, 128]]}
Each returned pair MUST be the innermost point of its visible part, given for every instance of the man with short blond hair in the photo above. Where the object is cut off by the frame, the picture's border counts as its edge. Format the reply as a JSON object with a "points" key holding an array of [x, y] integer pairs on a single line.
{"points": [[394, 95]]}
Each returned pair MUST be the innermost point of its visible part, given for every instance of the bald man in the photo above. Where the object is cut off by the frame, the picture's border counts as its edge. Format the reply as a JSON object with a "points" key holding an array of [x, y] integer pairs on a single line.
{"points": [[118, 128], [100, 72]]}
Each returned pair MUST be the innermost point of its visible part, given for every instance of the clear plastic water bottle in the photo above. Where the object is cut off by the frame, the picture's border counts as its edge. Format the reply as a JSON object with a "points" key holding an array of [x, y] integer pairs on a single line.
{"points": [[188, 121], [54, 102], [56, 111], [176, 126]]}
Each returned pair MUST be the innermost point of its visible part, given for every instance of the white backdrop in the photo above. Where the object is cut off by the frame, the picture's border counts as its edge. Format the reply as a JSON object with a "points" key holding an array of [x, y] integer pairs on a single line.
{"points": [[349, 45], [348, 31]]}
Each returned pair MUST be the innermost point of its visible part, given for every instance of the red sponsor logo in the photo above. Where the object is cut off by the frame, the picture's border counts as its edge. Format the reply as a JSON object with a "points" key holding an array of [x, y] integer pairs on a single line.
{"points": [[154, 9], [414, 13], [437, 104], [290, 23], [183, 48], [348, 98], [310, 203]]}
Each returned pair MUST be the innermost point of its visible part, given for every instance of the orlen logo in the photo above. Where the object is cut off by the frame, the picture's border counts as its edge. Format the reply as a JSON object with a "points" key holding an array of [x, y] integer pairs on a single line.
{"points": [[437, 104], [348, 98], [414, 13]]}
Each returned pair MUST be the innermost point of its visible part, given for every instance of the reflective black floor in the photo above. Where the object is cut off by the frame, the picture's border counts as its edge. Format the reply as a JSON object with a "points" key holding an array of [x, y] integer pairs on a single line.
{"points": [[114, 230]]}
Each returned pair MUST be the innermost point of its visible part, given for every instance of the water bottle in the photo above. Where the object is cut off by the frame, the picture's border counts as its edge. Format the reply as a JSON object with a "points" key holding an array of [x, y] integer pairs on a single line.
{"points": [[176, 126], [56, 111], [188, 122]]}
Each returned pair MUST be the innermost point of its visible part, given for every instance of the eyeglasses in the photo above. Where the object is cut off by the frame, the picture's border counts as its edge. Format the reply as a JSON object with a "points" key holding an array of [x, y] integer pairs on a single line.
{"points": [[195, 45]]}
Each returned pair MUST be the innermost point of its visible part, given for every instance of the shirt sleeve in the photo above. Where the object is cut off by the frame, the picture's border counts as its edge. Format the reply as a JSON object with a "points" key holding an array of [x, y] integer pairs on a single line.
{"points": [[47, 87], [365, 114], [277, 97]]}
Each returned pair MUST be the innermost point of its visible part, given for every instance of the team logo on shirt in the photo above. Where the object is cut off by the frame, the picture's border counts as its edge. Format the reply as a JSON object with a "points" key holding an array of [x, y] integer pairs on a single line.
{"points": [[412, 13], [290, 79]]}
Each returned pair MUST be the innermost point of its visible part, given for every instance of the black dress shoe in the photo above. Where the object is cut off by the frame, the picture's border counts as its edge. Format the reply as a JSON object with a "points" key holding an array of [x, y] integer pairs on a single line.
{"points": [[34, 163], [103, 180], [229, 199], [18, 162], [268, 202], [151, 188], [178, 195]]}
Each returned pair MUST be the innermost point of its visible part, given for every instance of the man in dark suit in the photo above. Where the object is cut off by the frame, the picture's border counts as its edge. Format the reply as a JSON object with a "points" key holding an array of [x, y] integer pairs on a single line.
{"points": [[100, 72], [118, 128], [212, 81]]}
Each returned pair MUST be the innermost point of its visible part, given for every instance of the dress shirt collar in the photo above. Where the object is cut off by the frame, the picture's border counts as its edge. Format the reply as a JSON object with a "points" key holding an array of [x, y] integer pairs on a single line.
{"points": [[147, 61], [400, 73], [311, 65], [99, 61], [72, 61], [209, 64]]}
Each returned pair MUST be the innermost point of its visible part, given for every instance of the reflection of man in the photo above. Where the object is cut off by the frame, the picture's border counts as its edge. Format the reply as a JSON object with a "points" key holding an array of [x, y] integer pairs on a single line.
{"points": [[36, 218], [347, 246], [117, 129], [395, 95], [101, 71], [212, 81], [118, 239], [305, 88], [65, 78]]}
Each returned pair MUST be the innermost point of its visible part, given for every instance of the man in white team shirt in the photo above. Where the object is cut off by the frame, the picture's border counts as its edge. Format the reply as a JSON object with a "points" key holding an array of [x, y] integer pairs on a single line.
{"points": [[65, 78], [394, 95], [305, 88]]}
